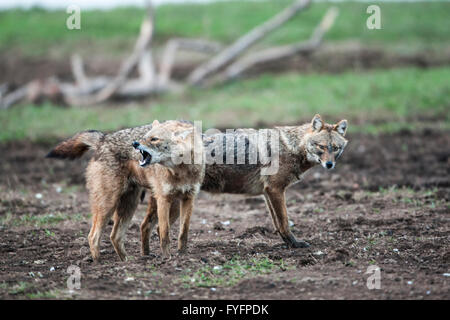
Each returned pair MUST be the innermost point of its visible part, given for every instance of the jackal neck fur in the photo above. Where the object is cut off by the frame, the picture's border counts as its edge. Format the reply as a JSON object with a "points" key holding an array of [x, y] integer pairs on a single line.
{"points": [[166, 179], [294, 160]]}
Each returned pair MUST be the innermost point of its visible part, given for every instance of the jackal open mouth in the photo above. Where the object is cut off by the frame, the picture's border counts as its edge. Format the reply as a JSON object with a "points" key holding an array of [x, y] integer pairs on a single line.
{"points": [[146, 156]]}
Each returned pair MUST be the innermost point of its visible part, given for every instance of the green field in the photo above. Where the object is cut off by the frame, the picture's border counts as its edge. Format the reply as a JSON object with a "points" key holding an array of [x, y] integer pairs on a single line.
{"points": [[405, 26], [392, 98], [374, 101]]}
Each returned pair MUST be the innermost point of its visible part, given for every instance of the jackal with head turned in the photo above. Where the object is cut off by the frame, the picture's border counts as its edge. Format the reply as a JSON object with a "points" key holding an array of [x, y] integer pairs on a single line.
{"points": [[299, 149], [116, 175]]}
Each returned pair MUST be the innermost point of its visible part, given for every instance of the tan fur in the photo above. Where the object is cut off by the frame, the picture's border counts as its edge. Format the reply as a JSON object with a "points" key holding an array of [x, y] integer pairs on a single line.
{"points": [[300, 149], [173, 187], [114, 181]]}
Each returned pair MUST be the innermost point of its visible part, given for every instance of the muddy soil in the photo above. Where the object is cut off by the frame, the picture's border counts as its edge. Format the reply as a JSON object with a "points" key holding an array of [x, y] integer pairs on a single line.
{"points": [[386, 205]]}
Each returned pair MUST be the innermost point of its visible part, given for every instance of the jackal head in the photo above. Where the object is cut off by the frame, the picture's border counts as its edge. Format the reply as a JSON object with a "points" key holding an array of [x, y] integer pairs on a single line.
{"points": [[166, 143], [324, 143]]}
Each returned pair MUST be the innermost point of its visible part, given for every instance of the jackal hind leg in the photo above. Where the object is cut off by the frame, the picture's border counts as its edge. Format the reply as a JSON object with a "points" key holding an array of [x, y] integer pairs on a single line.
{"points": [[122, 217], [278, 203], [174, 211], [103, 200], [275, 223]]}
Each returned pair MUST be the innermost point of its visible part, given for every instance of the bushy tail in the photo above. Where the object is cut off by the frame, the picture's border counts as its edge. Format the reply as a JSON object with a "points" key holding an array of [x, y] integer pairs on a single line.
{"points": [[76, 146]]}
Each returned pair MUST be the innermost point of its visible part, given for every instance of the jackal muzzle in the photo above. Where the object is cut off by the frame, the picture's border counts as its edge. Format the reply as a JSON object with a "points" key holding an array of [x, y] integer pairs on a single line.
{"points": [[145, 152]]}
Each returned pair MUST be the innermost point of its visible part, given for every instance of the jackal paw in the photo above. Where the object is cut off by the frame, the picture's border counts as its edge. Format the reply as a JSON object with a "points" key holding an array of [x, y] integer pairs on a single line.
{"points": [[300, 244]]}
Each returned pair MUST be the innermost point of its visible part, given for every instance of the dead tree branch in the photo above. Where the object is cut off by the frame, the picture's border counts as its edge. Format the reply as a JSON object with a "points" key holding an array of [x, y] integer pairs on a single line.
{"points": [[173, 46], [243, 43], [277, 53], [142, 44], [225, 65]]}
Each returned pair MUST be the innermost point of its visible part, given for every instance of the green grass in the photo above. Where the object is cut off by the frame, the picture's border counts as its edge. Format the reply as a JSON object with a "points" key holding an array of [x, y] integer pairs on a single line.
{"points": [[20, 288], [39, 220], [393, 96], [51, 294], [28, 290], [408, 26], [231, 272]]}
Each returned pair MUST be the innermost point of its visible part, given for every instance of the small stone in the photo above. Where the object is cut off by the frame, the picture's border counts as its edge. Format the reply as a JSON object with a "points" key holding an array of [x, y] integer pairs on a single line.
{"points": [[38, 195]]}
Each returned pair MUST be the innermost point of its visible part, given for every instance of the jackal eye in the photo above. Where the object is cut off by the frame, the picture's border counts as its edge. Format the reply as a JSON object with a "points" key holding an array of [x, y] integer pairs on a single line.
{"points": [[153, 139], [320, 146], [335, 148]]}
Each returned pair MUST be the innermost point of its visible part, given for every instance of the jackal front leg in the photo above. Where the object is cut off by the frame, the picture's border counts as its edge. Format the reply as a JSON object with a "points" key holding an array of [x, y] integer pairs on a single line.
{"points": [[187, 206], [163, 208], [278, 202]]}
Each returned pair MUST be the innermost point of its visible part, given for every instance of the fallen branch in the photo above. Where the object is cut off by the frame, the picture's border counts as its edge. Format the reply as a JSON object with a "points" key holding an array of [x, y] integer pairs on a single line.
{"points": [[224, 66], [173, 46], [142, 44], [76, 62], [226, 56], [277, 53], [14, 97]]}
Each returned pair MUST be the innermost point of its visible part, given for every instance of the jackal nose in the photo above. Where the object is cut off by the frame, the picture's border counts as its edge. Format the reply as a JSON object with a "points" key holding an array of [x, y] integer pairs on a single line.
{"points": [[329, 164], [136, 144]]}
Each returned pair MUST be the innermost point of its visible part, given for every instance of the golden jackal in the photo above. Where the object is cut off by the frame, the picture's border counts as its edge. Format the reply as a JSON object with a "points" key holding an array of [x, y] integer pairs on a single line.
{"points": [[116, 174], [299, 149]]}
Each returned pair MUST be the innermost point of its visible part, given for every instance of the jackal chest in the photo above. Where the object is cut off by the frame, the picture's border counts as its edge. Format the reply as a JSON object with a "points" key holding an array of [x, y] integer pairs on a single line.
{"points": [[179, 190]]}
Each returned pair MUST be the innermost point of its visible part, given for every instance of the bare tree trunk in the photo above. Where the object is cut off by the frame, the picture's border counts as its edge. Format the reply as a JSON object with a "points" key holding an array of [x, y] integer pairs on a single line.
{"points": [[277, 53], [142, 44], [92, 90], [173, 46], [243, 43], [77, 65], [14, 97]]}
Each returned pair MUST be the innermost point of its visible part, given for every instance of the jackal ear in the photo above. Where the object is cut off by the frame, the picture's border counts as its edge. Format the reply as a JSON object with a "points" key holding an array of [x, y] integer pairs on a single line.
{"points": [[317, 123], [341, 127], [155, 123]]}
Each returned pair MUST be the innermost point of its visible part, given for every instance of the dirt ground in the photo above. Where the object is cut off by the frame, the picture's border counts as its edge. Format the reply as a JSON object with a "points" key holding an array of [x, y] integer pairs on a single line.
{"points": [[386, 205]]}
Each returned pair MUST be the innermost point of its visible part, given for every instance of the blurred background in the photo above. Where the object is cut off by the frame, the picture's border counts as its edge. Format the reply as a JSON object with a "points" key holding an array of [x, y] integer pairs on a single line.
{"points": [[381, 80]]}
